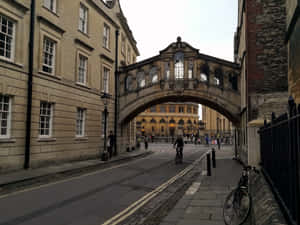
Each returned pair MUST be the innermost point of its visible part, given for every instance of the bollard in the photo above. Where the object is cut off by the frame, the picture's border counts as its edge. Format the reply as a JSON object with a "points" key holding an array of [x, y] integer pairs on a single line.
{"points": [[208, 164], [213, 158]]}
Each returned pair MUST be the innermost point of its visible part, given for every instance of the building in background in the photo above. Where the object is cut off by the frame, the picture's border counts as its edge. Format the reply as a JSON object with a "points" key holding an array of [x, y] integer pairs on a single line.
{"points": [[215, 124], [169, 120], [73, 65]]}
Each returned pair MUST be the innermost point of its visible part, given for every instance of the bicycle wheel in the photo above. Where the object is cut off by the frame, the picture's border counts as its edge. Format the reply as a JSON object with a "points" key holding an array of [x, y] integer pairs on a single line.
{"points": [[236, 207]]}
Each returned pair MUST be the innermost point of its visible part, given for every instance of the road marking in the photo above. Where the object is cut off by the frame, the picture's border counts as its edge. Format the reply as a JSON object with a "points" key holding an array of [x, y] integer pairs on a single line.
{"points": [[142, 201], [66, 180], [193, 188]]}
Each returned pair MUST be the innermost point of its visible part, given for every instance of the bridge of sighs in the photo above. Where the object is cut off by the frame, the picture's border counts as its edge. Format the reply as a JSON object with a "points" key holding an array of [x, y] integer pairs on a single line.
{"points": [[180, 73]]}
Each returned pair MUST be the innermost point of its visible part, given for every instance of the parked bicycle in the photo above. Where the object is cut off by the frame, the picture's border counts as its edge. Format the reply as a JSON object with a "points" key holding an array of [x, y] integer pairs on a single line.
{"points": [[238, 203]]}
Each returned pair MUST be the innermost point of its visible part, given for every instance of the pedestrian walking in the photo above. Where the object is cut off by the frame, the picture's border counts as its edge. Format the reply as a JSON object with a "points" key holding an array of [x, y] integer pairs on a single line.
{"points": [[146, 142], [110, 143], [219, 141]]}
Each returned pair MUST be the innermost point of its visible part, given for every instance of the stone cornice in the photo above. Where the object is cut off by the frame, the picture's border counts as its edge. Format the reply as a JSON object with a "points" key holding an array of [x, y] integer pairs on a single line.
{"points": [[94, 4], [50, 24], [18, 5], [82, 43], [103, 56], [128, 32]]}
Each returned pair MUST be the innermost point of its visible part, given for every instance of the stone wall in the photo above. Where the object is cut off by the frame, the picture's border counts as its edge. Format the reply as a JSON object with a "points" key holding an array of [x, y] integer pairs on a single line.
{"points": [[267, 52], [265, 209]]}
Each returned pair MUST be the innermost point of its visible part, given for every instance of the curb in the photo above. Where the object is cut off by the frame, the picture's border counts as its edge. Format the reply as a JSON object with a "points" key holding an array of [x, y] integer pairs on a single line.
{"points": [[73, 171]]}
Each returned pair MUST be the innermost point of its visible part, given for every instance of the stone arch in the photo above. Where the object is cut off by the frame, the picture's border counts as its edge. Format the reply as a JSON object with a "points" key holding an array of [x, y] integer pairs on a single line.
{"points": [[223, 104]]}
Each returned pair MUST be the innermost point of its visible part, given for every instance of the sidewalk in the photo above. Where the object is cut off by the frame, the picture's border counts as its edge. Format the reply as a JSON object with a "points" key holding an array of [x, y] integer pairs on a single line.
{"points": [[25, 175], [202, 203]]}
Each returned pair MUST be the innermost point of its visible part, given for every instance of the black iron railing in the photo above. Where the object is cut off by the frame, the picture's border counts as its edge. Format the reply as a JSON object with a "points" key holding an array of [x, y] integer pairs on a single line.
{"points": [[280, 158]]}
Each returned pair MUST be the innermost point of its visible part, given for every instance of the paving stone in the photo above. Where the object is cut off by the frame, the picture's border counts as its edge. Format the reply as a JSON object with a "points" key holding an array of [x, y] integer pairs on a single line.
{"points": [[205, 202], [200, 222]]}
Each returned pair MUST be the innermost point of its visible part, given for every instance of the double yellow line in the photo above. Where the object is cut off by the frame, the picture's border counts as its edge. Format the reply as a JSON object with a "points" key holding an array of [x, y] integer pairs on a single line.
{"points": [[142, 201]]}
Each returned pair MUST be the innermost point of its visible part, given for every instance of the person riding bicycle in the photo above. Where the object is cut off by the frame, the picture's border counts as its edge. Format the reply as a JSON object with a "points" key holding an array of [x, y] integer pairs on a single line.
{"points": [[179, 143]]}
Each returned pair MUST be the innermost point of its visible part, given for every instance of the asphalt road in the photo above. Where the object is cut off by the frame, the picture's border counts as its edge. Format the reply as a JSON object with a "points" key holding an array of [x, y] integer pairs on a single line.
{"points": [[94, 198]]}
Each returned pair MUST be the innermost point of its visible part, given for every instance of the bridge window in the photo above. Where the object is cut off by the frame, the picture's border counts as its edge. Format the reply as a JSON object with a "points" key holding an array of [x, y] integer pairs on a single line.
{"points": [[218, 79], [233, 81], [204, 73], [172, 108], [153, 75], [141, 82], [191, 70], [128, 83], [167, 70], [179, 65]]}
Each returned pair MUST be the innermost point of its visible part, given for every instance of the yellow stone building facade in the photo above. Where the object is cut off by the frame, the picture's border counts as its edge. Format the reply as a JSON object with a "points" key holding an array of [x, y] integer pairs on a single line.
{"points": [[215, 123], [169, 120], [74, 56]]}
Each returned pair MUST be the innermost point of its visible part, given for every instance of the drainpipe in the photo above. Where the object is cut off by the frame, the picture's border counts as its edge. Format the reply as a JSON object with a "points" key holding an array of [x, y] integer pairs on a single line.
{"points": [[116, 92], [29, 88]]}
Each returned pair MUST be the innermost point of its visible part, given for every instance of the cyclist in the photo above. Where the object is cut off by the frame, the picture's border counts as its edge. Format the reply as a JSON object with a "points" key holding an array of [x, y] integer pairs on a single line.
{"points": [[179, 147]]}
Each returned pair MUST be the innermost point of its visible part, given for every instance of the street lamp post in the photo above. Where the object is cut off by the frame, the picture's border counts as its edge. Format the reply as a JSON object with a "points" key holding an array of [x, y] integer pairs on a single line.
{"points": [[105, 97]]}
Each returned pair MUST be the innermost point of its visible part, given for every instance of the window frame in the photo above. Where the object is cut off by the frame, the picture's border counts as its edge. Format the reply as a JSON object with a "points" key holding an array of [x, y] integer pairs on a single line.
{"points": [[53, 3], [128, 54], [9, 112], [106, 36], [79, 69], [13, 39], [50, 120], [81, 121], [83, 21], [107, 83], [52, 67]]}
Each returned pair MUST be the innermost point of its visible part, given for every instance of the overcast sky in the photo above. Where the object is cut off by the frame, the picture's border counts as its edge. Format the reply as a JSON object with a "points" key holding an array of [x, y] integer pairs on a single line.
{"points": [[207, 25]]}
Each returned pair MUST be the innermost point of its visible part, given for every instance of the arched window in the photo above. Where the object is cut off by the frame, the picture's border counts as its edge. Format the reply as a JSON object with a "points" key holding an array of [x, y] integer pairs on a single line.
{"points": [[167, 71], [191, 70], [189, 122], [181, 122], [204, 73], [162, 121], [172, 121], [218, 79], [179, 65], [233, 80], [141, 82], [153, 121], [128, 83], [153, 75]]}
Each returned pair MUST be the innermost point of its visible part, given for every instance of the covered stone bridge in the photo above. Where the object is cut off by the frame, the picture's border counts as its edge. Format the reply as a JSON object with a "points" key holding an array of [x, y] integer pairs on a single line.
{"points": [[180, 73]]}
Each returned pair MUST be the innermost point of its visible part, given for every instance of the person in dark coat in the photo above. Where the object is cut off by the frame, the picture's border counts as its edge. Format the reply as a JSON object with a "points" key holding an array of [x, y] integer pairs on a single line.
{"points": [[179, 143], [110, 143]]}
